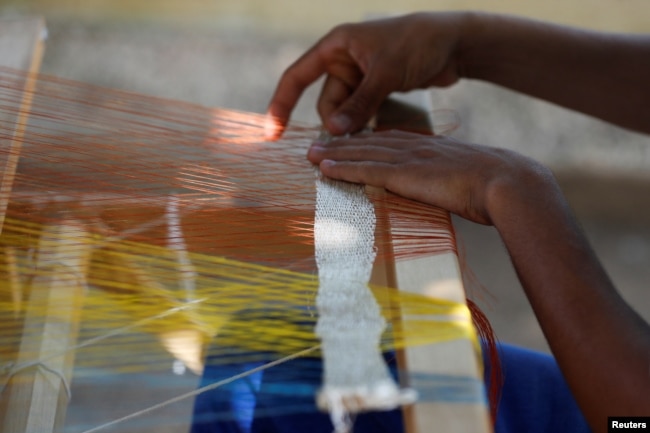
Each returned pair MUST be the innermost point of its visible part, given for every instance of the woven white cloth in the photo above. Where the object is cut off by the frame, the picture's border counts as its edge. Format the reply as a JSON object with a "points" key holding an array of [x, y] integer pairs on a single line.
{"points": [[350, 323]]}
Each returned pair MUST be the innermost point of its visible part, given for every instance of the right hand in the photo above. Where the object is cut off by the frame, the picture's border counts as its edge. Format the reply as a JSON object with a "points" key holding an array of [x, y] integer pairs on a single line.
{"points": [[472, 181], [367, 61]]}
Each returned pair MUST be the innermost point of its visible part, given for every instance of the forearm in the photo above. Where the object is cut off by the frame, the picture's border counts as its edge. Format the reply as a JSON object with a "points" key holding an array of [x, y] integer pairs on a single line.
{"points": [[600, 74], [601, 344]]}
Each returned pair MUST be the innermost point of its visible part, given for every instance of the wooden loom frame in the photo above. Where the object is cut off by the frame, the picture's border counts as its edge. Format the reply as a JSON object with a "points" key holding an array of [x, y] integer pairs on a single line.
{"points": [[437, 276], [44, 386]]}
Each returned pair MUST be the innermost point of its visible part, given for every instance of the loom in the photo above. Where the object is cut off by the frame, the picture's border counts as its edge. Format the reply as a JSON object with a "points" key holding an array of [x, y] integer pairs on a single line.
{"points": [[141, 234]]}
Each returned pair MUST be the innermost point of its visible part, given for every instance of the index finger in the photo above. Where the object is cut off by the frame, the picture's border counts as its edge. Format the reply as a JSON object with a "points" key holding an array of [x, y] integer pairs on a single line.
{"points": [[295, 79]]}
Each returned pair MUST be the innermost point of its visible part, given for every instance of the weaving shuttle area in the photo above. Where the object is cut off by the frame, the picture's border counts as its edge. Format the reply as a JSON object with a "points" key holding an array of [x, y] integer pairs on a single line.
{"points": [[142, 237]]}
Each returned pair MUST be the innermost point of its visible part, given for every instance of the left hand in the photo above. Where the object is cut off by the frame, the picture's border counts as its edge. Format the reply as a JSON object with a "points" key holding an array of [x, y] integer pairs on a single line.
{"points": [[461, 178], [365, 62]]}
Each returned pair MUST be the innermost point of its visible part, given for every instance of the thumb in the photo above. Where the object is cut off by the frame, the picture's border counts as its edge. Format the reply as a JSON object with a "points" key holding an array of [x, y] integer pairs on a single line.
{"points": [[357, 110]]}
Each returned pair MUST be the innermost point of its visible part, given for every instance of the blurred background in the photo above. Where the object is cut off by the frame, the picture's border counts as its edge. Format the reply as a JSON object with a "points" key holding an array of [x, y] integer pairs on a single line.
{"points": [[230, 54]]}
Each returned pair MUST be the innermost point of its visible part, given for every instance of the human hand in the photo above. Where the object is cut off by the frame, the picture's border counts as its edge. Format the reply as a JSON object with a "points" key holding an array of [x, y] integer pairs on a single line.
{"points": [[465, 179], [364, 63]]}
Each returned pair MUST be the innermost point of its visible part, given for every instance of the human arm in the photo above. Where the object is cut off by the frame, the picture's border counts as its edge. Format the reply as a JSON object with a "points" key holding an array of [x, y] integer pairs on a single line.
{"points": [[599, 74], [601, 344]]}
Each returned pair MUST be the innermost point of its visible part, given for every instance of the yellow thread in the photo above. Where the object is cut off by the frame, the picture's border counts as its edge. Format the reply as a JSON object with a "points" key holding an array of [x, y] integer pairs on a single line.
{"points": [[251, 307]]}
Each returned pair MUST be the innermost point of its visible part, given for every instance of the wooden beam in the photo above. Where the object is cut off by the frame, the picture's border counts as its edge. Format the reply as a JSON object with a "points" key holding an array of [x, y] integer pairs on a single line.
{"points": [[437, 276], [36, 395], [21, 48]]}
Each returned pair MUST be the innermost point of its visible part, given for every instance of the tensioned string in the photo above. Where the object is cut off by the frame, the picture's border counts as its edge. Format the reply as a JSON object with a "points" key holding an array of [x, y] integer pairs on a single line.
{"points": [[114, 152], [201, 390], [138, 285], [192, 230]]}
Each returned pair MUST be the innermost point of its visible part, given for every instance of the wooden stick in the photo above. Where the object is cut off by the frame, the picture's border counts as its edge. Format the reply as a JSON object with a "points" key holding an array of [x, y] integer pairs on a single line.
{"points": [[21, 47], [437, 276], [36, 395]]}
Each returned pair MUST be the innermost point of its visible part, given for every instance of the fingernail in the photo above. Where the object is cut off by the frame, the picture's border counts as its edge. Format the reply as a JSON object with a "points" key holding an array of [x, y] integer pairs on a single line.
{"points": [[327, 163], [341, 123], [315, 147]]}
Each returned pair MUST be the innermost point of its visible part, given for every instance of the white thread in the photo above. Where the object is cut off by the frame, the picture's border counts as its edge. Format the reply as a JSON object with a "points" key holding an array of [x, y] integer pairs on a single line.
{"points": [[201, 390], [176, 243], [350, 324], [14, 369]]}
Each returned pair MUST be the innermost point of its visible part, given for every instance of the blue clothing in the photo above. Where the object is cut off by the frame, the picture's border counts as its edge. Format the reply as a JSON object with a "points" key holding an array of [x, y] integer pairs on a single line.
{"points": [[534, 399], [280, 398]]}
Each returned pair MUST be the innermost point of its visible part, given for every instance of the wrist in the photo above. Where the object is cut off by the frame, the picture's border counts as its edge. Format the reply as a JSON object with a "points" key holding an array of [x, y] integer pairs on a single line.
{"points": [[473, 38], [523, 193]]}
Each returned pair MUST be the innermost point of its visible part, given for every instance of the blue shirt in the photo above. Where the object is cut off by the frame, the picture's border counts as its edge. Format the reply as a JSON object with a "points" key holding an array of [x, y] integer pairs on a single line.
{"points": [[535, 399]]}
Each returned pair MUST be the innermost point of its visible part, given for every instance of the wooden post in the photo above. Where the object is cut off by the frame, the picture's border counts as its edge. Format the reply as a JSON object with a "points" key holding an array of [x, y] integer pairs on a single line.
{"points": [[437, 276], [36, 395], [21, 47]]}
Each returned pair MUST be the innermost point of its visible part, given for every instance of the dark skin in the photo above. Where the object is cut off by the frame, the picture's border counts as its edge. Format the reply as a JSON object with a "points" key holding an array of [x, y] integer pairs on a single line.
{"points": [[600, 343], [600, 74]]}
